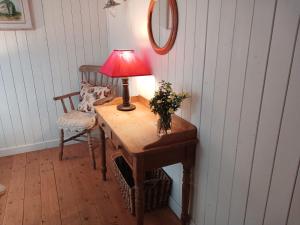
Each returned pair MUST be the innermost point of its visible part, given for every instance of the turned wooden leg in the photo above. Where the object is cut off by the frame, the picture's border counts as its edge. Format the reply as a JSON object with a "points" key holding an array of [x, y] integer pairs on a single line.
{"points": [[186, 187], [91, 150], [139, 176], [103, 153], [61, 144]]}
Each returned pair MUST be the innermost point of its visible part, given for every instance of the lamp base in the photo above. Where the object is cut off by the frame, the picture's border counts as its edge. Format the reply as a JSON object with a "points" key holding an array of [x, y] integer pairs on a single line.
{"points": [[122, 107], [126, 106]]}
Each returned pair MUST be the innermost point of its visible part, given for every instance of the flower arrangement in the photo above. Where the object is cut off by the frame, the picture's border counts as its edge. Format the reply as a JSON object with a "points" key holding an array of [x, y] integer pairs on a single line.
{"points": [[165, 103]]}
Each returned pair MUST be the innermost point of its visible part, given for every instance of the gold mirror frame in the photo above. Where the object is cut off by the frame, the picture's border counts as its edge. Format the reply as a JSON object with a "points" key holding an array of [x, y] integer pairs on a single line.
{"points": [[168, 46]]}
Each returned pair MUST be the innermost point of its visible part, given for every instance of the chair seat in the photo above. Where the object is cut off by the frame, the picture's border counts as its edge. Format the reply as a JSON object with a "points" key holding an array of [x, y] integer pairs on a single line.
{"points": [[76, 121], [2, 190]]}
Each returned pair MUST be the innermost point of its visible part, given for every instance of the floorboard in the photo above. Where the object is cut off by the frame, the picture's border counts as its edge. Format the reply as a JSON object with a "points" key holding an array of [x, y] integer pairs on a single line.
{"points": [[44, 190]]}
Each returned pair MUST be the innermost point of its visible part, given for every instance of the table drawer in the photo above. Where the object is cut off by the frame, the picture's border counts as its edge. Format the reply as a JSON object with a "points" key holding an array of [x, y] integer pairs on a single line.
{"points": [[117, 143]]}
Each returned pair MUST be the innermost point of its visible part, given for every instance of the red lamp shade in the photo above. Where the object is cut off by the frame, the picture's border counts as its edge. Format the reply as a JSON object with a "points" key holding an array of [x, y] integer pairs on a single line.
{"points": [[124, 63]]}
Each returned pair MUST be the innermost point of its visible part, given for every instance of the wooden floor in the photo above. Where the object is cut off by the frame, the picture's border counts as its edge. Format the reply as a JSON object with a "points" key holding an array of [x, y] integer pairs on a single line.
{"points": [[44, 190]]}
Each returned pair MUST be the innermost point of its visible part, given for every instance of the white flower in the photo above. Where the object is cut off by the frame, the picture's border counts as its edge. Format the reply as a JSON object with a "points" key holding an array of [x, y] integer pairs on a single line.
{"points": [[171, 110]]}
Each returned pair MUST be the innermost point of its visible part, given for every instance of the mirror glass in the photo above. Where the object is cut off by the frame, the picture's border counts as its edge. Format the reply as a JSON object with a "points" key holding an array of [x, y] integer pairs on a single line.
{"points": [[161, 22]]}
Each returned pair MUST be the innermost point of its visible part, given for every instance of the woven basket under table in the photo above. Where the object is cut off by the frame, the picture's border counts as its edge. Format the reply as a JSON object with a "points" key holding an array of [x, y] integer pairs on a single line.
{"points": [[157, 187]]}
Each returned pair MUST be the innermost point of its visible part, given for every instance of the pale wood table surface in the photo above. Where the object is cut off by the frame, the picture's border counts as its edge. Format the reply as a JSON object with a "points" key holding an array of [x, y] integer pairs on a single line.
{"points": [[134, 133]]}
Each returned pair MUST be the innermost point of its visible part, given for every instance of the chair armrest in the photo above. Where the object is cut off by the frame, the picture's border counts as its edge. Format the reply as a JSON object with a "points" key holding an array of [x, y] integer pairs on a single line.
{"points": [[66, 96]]}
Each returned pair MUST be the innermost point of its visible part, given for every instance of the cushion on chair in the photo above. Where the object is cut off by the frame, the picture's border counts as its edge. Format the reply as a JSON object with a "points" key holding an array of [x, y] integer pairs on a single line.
{"points": [[76, 121], [89, 94]]}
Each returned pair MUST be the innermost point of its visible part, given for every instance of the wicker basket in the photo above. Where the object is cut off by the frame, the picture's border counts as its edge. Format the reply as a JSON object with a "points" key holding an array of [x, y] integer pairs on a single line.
{"points": [[157, 187]]}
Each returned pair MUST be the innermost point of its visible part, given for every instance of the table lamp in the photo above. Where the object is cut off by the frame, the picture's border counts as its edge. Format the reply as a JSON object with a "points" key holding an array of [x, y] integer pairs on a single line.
{"points": [[124, 64]]}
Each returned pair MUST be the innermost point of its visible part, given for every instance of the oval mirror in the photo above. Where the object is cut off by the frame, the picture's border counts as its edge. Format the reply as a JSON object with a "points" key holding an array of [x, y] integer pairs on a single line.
{"points": [[162, 25]]}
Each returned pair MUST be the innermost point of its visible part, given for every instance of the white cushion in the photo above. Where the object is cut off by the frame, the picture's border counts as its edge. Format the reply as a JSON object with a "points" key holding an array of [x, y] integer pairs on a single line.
{"points": [[2, 189], [76, 121]]}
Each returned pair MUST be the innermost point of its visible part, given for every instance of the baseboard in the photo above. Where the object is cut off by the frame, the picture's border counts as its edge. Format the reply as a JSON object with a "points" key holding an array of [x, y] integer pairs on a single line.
{"points": [[28, 148], [176, 208]]}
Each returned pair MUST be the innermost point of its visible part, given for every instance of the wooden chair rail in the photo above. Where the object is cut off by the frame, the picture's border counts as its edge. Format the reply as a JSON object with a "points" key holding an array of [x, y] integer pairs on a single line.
{"points": [[69, 97], [66, 95]]}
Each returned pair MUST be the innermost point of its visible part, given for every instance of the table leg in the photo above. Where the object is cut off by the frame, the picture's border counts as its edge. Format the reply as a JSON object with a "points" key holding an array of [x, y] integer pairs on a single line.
{"points": [[103, 153], [186, 187], [139, 177]]}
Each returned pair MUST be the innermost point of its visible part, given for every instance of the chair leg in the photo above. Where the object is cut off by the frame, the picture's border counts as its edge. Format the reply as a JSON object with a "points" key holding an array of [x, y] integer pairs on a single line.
{"points": [[91, 150], [61, 144]]}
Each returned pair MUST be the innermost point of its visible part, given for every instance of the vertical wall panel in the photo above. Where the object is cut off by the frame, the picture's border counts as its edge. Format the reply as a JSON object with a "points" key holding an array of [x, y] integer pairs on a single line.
{"points": [[213, 27], [227, 18], [18, 79], [2, 136], [254, 83], [288, 155], [277, 76], [240, 46], [10, 90], [294, 215], [70, 44], [87, 30], [196, 96], [180, 45], [189, 55], [50, 72], [198, 59], [35, 120], [78, 32], [95, 27], [60, 35], [103, 30], [8, 130]]}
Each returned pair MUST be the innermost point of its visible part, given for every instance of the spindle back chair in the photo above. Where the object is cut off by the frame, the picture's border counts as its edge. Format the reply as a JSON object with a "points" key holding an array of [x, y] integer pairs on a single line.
{"points": [[89, 73]]}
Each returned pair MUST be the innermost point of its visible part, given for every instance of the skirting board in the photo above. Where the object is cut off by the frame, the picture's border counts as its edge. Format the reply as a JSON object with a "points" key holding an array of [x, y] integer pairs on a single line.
{"points": [[176, 208], [7, 151], [28, 148]]}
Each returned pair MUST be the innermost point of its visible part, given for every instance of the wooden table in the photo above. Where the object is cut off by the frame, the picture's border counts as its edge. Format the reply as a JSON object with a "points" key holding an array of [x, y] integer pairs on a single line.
{"points": [[135, 134]]}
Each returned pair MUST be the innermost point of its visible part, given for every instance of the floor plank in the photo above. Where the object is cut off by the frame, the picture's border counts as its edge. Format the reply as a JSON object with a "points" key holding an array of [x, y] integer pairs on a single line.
{"points": [[5, 177], [49, 198], [32, 201], [15, 195], [51, 192]]}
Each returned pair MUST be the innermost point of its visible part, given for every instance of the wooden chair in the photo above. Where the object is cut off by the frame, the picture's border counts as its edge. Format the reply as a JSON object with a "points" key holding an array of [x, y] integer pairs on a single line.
{"points": [[89, 73]]}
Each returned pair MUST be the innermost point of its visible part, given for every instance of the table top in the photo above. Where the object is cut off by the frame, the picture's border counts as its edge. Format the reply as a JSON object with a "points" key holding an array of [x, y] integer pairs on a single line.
{"points": [[137, 129]]}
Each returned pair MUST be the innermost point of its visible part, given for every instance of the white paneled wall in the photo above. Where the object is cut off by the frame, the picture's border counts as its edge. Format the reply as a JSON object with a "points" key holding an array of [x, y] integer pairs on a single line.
{"points": [[36, 65], [239, 59]]}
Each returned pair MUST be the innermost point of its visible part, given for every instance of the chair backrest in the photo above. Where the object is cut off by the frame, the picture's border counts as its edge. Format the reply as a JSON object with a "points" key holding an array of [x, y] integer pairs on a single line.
{"points": [[90, 73]]}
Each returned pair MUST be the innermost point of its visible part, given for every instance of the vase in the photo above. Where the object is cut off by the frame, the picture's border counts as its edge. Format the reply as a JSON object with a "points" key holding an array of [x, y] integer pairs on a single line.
{"points": [[164, 124]]}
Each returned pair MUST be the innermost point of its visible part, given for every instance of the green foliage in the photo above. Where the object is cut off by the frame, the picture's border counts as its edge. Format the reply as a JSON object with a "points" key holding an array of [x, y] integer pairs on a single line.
{"points": [[165, 102]]}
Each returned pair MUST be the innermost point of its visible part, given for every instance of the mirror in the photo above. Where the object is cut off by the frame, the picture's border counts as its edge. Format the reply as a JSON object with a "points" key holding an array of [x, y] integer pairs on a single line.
{"points": [[162, 25]]}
